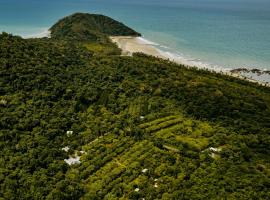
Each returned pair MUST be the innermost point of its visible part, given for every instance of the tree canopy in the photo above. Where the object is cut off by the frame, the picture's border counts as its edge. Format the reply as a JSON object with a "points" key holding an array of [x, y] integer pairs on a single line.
{"points": [[141, 127], [89, 27]]}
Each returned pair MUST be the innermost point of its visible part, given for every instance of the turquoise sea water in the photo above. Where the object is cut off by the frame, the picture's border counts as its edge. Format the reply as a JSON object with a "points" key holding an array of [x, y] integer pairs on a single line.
{"points": [[226, 33]]}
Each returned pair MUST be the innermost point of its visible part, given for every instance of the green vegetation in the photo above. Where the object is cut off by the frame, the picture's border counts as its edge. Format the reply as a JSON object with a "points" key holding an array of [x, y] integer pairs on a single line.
{"points": [[144, 125], [89, 27]]}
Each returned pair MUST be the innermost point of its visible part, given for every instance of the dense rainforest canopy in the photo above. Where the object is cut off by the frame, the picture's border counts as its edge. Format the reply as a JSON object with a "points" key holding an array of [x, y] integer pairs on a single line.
{"points": [[141, 127]]}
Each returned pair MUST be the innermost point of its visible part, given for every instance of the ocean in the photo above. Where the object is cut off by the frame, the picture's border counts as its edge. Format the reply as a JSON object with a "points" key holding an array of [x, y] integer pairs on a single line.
{"points": [[221, 34]]}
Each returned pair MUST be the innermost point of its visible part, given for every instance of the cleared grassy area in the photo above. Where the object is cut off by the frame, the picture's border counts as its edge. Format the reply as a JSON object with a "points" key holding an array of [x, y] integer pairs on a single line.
{"points": [[163, 125], [170, 131], [125, 171], [102, 49], [157, 121], [177, 130], [198, 143]]}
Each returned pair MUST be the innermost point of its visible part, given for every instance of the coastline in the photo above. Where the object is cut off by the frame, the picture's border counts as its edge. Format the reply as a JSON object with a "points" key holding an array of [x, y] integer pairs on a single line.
{"points": [[45, 33], [131, 44]]}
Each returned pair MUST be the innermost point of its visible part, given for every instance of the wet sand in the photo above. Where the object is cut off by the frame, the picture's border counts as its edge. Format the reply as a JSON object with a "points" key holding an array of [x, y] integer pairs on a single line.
{"points": [[130, 45]]}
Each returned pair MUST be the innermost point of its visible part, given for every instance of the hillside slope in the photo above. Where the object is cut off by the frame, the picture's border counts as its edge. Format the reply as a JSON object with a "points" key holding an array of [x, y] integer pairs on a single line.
{"points": [[136, 127], [89, 27]]}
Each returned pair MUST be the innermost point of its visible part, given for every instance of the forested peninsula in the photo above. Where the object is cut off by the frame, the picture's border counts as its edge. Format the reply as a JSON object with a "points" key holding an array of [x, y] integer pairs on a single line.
{"points": [[81, 121]]}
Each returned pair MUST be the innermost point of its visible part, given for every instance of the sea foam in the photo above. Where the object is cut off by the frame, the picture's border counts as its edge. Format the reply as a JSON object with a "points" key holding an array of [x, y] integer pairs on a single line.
{"points": [[181, 58], [42, 34]]}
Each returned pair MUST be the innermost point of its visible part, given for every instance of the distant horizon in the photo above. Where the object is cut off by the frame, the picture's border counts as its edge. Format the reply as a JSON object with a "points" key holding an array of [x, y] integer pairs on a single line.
{"points": [[224, 34]]}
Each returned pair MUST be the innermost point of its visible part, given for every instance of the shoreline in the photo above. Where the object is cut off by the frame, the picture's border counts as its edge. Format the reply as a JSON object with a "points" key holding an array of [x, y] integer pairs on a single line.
{"points": [[131, 44], [45, 33]]}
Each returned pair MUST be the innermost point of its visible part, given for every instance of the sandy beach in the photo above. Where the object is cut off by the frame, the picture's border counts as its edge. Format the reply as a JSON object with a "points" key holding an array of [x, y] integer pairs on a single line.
{"points": [[130, 45]]}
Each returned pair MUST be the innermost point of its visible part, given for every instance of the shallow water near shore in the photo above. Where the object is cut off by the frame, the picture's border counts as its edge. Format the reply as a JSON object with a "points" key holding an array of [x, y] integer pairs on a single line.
{"points": [[130, 45], [222, 34]]}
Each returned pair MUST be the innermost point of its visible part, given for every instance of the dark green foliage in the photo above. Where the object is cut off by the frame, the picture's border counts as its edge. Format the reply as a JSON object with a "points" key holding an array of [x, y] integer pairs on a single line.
{"points": [[89, 27], [127, 114]]}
